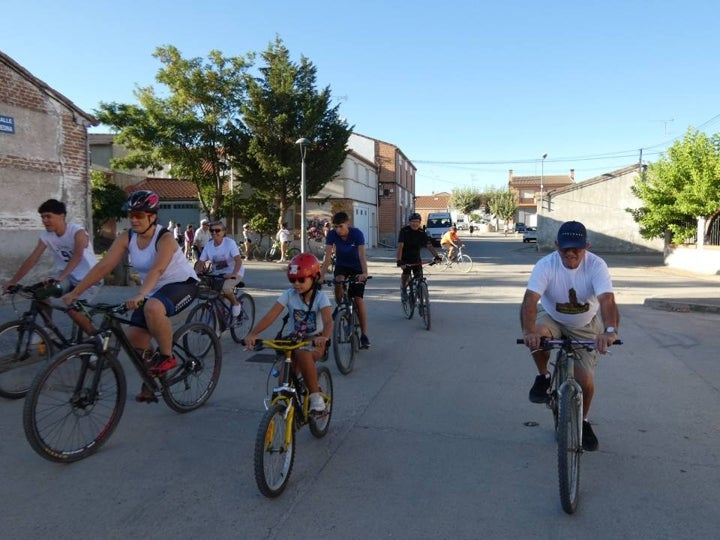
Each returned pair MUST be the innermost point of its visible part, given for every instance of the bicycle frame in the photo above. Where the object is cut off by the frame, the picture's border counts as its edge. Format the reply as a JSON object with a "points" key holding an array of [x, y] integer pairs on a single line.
{"points": [[36, 308]]}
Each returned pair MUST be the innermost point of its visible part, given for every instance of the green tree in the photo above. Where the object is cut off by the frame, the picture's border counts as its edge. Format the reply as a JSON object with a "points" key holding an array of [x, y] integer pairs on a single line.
{"points": [[501, 203], [107, 200], [192, 125], [679, 187], [466, 199], [284, 106]]}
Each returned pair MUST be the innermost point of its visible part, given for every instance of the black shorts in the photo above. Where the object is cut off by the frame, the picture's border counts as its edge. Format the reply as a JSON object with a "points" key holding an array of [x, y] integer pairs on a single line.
{"points": [[174, 296], [416, 270], [355, 290]]}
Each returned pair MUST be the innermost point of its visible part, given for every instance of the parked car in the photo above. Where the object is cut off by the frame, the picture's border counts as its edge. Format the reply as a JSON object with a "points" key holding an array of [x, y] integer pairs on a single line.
{"points": [[520, 227], [530, 234]]}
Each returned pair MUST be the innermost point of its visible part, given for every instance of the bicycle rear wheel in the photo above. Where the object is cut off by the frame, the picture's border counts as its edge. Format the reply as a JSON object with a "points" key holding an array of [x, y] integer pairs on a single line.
{"points": [[319, 423], [424, 303], [25, 350], [72, 408], [569, 448], [342, 341], [463, 264], [444, 263], [244, 322], [292, 252], [274, 450], [199, 355]]}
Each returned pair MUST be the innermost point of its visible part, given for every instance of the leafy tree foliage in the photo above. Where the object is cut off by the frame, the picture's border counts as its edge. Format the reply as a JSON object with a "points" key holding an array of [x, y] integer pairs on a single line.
{"points": [[192, 125], [679, 187], [501, 203], [107, 199], [284, 106], [466, 199]]}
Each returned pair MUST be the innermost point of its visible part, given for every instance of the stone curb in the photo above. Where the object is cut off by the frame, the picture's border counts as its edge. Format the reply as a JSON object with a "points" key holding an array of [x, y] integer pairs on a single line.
{"points": [[681, 305]]}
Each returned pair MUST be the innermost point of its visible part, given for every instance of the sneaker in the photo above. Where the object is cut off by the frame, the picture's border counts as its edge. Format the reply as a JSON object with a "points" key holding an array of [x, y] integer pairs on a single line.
{"points": [[589, 440], [162, 365], [317, 403], [364, 342], [539, 390], [236, 310]]}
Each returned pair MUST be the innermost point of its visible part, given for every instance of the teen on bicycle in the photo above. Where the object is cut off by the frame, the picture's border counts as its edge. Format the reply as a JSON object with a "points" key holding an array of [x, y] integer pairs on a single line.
{"points": [[169, 285], [410, 241], [69, 245], [350, 260], [309, 313], [572, 285]]}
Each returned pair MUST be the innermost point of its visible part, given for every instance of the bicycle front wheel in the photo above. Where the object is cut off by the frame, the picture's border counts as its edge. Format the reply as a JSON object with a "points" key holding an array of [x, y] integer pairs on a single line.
{"points": [[408, 302], [205, 313], [25, 350], [444, 263], [464, 264], [319, 423], [274, 449], [424, 304], [191, 383], [73, 407], [569, 447], [243, 323], [342, 341]]}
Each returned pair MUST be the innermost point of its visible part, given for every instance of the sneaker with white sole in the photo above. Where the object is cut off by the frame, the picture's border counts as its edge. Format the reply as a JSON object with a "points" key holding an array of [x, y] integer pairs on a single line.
{"points": [[317, 403]]}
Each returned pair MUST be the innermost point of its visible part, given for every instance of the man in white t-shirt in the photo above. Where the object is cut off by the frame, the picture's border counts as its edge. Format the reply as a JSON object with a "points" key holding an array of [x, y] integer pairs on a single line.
{"points": [[69, 245], [223, 255], [572, 285]]}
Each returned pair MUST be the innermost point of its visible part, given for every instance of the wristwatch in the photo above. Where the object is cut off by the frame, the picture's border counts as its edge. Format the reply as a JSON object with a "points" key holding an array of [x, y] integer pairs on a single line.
{"points": [[611, 330]]}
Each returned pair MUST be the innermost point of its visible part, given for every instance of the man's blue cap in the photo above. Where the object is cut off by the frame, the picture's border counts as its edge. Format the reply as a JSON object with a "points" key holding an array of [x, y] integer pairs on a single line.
{"points": [[572, 234]]}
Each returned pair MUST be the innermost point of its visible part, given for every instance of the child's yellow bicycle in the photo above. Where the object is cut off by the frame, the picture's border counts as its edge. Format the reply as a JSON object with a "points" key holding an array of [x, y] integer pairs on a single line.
{"points": [[287, 411]]}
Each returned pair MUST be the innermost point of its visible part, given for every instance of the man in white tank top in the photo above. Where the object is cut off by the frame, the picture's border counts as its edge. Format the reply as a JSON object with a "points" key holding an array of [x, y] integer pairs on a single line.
{"points": [[69, 245]]}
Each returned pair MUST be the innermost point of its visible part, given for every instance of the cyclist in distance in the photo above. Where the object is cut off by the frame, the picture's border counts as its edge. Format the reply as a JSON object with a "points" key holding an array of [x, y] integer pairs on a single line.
{"points": [[350, 260], [169, 284], [311, 318], [450, 240], [410, 241], [226, 261], [572, 285], [69, 245]]}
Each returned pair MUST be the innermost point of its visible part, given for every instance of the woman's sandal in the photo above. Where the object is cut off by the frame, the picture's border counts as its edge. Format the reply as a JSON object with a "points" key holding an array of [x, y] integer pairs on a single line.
{"points": [[146, 395]]}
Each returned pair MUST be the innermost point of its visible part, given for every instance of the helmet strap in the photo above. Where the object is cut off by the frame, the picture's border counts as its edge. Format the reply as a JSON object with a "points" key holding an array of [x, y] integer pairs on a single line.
{"points": [[152, 224]]}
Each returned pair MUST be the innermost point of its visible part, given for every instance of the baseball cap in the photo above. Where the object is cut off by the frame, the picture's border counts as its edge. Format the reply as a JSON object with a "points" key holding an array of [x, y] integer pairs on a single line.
{"points": [[572, 234]]}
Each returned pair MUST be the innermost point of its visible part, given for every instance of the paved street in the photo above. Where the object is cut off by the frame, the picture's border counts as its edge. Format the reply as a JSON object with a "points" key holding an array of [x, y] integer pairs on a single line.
{"points": [[432, 435]]}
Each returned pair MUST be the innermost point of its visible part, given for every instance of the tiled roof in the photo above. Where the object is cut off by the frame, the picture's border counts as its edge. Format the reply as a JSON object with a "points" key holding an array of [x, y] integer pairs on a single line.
{"points": [[169, 189], [438, 201], [548, 180]]}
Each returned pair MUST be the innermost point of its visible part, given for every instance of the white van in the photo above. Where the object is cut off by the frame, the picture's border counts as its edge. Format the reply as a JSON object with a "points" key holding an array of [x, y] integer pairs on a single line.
{"points": [[437, 224]]}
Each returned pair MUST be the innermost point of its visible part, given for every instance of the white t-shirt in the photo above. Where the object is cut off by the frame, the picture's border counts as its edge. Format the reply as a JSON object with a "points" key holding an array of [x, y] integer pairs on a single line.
{"points": [[570, 296], [284, 235], [222, 256], [298, 310], [62, 249]]}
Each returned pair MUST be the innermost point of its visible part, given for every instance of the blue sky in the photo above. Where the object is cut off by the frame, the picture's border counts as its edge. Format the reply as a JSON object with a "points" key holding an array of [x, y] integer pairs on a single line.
{"points": [[466, 89]]}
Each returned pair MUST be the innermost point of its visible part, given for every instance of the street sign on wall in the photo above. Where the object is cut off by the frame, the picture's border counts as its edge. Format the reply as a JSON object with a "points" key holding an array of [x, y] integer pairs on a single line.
{"points": [[7, 125]]}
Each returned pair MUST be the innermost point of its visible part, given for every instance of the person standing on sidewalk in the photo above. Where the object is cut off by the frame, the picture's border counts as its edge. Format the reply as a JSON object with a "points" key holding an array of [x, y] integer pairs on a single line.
{"points": [[284, 237], [350, 260], [572, 285]]}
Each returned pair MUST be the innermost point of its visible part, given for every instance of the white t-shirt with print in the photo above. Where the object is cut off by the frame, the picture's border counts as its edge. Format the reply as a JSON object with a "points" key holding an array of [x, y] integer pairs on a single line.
{"points": [[298, 310], [222, 256], [570, 296], [62, 249]]}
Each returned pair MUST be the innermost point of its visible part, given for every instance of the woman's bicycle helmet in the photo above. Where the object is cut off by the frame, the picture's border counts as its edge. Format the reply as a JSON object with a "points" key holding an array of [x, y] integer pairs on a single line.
{"points": [[142, 201], [303, 265]]}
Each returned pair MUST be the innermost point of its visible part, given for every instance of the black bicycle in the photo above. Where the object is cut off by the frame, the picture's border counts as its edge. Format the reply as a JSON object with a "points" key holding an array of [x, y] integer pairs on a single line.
{"points": [[417, 294], [215, 310], [75, 404], [565, 400], [27, 344], [346, 329]]}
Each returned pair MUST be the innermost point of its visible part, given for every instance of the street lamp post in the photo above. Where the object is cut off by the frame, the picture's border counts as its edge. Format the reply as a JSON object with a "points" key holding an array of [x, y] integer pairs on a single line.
{"points": [[303, 189], [542, 178]]}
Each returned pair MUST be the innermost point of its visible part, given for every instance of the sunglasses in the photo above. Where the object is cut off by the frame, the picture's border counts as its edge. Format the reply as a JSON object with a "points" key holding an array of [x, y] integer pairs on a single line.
{"points": [[299, 279], [216, 230], [137, 215]]}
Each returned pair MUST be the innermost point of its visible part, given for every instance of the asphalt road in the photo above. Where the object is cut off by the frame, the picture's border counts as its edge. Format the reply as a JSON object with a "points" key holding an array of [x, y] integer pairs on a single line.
{"points": [[432, 435]]}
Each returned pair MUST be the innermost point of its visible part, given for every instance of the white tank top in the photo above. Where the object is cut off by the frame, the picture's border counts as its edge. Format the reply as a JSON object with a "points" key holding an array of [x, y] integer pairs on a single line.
{"points": [[178, 271]]}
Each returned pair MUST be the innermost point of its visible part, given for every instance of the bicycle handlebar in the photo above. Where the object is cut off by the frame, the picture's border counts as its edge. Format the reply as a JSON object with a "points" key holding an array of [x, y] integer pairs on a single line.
{"points": [[431, 262], [279, 344], [348, 279], [553, 343]]}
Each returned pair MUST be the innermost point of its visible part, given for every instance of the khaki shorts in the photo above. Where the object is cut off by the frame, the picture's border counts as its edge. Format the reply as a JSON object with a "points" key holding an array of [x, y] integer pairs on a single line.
{"points": [[584, 359]]}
